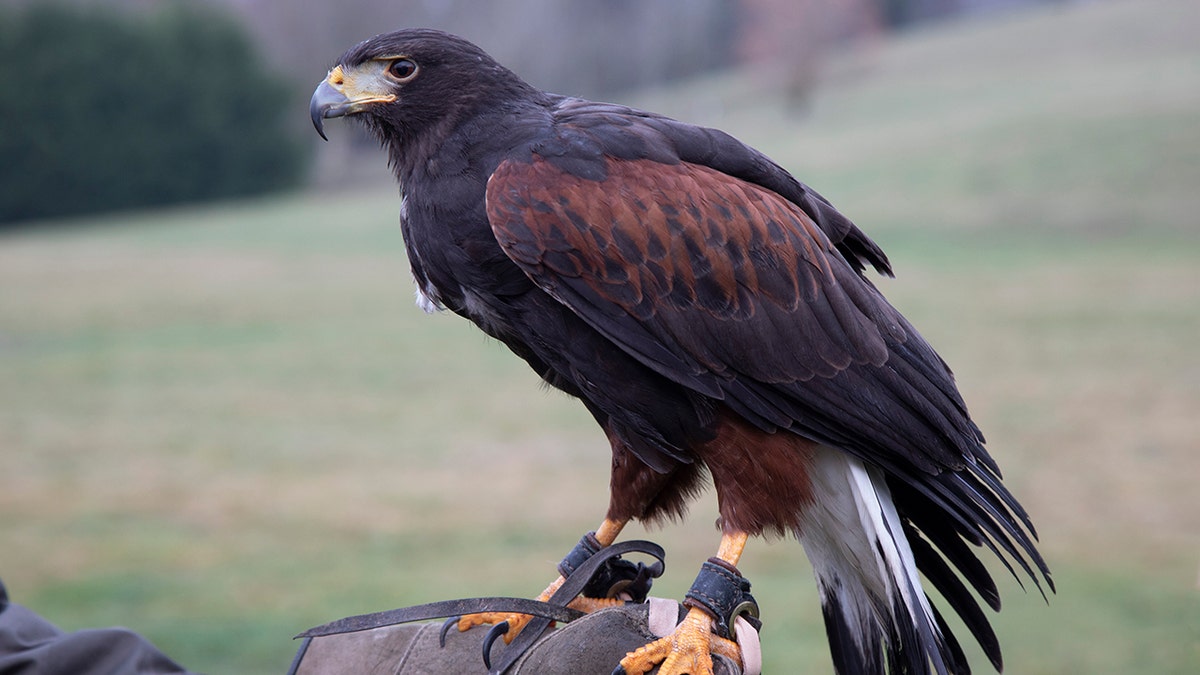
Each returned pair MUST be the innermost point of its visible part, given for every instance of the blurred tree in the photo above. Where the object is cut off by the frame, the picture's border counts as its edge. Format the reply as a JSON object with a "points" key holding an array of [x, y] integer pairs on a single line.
{"points": [[101, 110]]}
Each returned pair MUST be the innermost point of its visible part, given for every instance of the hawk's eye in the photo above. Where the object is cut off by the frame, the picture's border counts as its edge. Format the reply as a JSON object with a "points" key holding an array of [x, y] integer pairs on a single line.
{"points": [[403, 69]]}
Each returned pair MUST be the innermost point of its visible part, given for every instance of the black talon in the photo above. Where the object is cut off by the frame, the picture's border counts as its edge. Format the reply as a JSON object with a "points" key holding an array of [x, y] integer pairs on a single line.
{"points": [[446, 629], [494, 634], [619, 670]]}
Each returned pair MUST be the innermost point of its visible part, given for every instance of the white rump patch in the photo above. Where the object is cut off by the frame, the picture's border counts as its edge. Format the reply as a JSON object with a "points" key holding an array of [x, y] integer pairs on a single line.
{"points": [[853, 537]]}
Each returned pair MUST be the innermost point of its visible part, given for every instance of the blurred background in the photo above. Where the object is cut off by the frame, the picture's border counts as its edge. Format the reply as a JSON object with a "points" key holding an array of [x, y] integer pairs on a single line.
{"points": [[222, 421]]}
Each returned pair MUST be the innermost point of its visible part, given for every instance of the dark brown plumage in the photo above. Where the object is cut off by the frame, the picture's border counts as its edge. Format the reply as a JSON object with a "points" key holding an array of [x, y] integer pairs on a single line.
{"points": [[712, 313]]}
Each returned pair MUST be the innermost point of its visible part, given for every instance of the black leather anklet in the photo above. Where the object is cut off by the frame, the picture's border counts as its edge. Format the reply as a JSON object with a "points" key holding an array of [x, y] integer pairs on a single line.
{"points": [[722, 592], [615, 576]]}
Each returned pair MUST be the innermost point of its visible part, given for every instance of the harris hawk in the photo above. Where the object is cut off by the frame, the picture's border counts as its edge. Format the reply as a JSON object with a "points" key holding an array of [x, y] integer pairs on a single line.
{"points": [[714, 316]]}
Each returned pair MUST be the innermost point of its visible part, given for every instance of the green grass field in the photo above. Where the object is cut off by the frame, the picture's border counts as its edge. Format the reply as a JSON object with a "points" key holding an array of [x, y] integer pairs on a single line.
{"points": [[223, 425]]}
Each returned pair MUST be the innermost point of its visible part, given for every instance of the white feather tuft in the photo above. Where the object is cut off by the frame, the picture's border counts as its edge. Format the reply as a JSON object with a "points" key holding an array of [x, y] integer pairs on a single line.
{"points": [[862, 560]]}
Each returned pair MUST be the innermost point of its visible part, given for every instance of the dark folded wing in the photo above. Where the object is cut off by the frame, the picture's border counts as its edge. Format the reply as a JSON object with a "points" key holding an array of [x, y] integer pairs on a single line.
{"points": [[728, 288]]}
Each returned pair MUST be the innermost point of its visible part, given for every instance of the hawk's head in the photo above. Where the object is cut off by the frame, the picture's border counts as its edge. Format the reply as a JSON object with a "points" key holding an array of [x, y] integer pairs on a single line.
{"points": [[405, 84]]}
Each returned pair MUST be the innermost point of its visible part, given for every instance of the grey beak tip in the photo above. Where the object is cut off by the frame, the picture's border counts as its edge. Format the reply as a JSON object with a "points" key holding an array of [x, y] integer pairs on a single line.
{"points": [[317, 114], [326, 102]]}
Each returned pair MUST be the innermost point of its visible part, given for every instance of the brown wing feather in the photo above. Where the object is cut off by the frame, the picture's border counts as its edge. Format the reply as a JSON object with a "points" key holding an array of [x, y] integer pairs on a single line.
{"points": [[728, 288], [733, 275]]}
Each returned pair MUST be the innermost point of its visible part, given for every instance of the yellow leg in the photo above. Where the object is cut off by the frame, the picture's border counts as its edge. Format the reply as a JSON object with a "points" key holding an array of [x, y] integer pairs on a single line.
{"points": [[606, 534], [690, 647], [732, 546], [609, 530]]}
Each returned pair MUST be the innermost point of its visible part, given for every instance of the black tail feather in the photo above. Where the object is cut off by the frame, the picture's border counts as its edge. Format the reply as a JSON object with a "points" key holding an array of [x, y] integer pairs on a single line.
{"points": [[1000, 524], [958, 660], [935, 569], [855, 648], [943, 516], [949, 540], [940, 520], [871, 640]]}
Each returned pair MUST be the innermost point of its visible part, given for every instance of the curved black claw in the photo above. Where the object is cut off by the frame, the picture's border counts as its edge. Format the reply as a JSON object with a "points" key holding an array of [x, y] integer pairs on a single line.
{"points": [[619, 670], [494, 634], [451, 622]]}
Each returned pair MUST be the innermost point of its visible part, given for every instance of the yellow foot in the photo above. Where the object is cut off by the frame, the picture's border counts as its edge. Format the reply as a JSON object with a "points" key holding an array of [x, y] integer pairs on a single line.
{"points": [[517, 622], [688, 650]]}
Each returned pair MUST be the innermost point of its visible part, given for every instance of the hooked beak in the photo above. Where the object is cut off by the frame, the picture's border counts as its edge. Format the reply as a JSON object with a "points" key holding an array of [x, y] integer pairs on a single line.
{"points": [[346, 91], [327, 102]]}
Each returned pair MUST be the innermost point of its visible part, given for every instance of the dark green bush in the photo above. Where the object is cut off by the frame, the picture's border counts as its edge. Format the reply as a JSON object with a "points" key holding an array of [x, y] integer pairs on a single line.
{"points": [[103, 111]]}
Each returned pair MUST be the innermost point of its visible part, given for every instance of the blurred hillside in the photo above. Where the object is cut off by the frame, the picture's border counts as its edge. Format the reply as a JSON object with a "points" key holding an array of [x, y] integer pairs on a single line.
{"points": [[587, 48], [578, 47]]}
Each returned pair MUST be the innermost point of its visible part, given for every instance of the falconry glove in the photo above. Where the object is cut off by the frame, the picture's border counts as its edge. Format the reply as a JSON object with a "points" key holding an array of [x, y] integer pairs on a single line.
{"points": [[593, 643]]}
